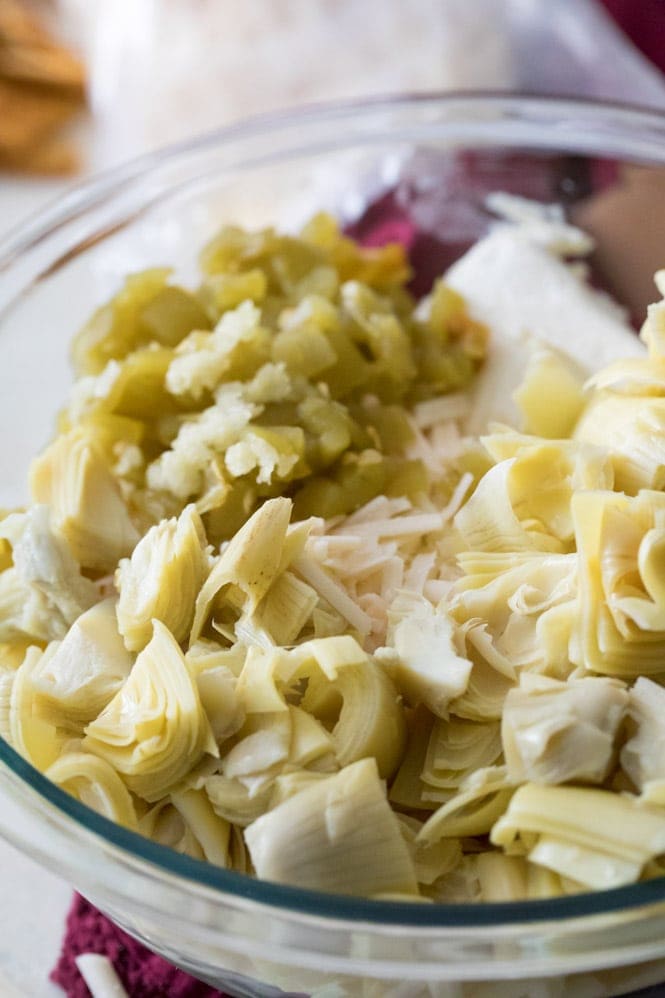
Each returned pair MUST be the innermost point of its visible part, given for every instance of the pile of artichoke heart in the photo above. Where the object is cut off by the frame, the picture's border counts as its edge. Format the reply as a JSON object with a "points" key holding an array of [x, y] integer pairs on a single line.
{"points": [[273, 608]]}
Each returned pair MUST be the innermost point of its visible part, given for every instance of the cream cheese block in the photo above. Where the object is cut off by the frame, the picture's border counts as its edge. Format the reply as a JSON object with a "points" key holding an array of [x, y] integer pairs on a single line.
{"points": [[528, 296]]}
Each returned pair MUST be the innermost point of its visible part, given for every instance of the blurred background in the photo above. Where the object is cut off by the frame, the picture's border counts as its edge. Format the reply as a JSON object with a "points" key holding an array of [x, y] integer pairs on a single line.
{"points": [[86, 84]]}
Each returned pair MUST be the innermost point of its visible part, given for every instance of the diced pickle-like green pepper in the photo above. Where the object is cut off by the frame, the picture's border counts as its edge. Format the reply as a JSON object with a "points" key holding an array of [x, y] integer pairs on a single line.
{"points": [[140, 390], [349, 486], [220, 292], [406, 478], [234, 509], [115, 329], [171, 315], [329, 429], [390, 422], [315, 385], [351, 370], [305, 350]]}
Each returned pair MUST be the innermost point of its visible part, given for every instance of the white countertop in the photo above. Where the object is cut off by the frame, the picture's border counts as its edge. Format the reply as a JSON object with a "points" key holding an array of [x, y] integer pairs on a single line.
{"points": [[33, 902]]}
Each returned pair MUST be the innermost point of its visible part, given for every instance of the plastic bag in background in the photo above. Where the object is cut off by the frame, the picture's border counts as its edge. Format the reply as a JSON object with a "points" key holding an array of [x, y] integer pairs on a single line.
{"points": [[164, 70], [573, 47]]}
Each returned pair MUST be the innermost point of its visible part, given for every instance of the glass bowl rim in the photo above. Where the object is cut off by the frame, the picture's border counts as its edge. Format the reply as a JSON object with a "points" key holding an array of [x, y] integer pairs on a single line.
{"points": [[84, 195], [192, 873]]}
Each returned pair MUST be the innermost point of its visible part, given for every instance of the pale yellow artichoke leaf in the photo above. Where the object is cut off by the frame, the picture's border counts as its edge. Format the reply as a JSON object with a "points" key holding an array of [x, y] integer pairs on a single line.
{"points": [[251, 561], [205, 654], [330, 655], [480, 801], [591, 867], [641, 376], [45, 582], [164, 824], [632, 431], [310, 741], [514, 878], [544, 475], [355, 695], [162, 579], [337, 835], [258, 687], [501, 616], [429, 668], [431, 861], [371, 721], [25, 613], [95, 783], [599, 838], [613, 599], [488, 684], [262, 747], [212, 832], [232, 800], [36, 740], [78, 676], [502, 878], [407, 788], [218, 691], [7, 676], [456, 749], [73, 477], [653, 329], [550, 375], [289, 784], [286, 608], [488, 521], [558, 732], [643, 755], [154, 730]]}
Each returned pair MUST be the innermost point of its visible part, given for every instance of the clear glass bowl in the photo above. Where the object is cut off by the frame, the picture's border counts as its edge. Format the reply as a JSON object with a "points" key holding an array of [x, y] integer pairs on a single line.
{"points": [[439, 156]]}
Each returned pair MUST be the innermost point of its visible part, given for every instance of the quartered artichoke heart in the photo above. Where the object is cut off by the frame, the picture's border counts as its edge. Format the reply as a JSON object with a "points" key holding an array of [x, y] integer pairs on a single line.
{"points": [[78, 676], [154, 730], [162, 579], [314, 838]]}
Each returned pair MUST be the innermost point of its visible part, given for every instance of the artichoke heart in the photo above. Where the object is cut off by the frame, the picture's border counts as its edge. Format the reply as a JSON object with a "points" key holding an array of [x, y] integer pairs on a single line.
{"points": [[73, 477], [162, 579], [251, 561], [371, 719], [315, 840], [595, 837], [643, 755], [555, 732], [77, 677], [550, 375], [94, 782], [456, 749], [36, 740], [621, 549], [44, 591], [154, 730], [212, 832], [429, 668], [482, 798]]}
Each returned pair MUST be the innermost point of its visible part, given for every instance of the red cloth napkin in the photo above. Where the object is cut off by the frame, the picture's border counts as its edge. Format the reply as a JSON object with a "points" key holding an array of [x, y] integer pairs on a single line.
{"points": [[143, 974]]}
